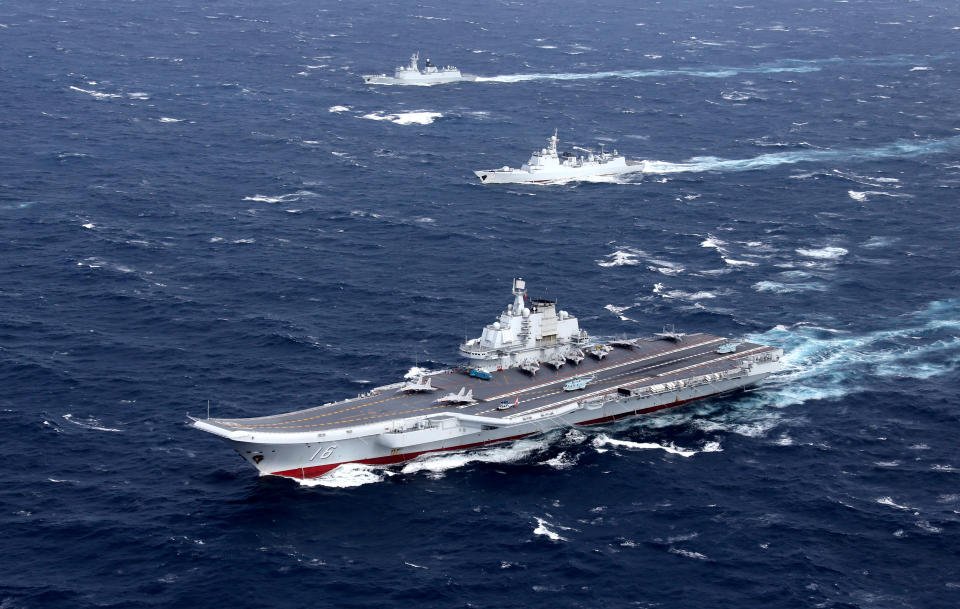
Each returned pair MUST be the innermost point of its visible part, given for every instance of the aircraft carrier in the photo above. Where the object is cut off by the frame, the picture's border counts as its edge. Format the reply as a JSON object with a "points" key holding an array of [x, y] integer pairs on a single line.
{"points": [[532, 370]]}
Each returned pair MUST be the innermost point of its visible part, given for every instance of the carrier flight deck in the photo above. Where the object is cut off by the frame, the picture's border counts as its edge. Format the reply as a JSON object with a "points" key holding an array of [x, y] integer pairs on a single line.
{"points": [[647, 362], [531, 370]]}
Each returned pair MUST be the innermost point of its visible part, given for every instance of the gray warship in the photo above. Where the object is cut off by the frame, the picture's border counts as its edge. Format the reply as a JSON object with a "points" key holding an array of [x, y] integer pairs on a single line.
{"points": [[531, 370], [411, 74], [550, 165]]}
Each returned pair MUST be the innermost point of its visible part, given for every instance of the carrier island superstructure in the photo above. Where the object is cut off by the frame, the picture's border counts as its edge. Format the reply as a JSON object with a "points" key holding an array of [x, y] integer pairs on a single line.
{"points": [[532, 370]]}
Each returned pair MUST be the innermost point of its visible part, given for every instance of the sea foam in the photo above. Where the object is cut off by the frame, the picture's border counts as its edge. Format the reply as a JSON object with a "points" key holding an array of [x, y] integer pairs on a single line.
{"points": [[405, 118]]}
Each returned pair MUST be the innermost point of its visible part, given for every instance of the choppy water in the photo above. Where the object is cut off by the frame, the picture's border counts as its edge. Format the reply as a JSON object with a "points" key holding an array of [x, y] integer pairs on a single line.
{"points": [[203, 202]]}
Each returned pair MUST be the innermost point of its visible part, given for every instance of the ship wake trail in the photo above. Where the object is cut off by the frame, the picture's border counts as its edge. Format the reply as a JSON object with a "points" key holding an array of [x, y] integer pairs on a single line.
{"points": [[900, 149], [436, 464], [823, 363], [714, 73], [782, 66]]}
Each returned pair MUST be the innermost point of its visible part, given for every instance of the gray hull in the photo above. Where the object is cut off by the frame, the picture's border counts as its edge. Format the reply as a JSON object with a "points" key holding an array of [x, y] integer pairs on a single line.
{"points": [[385, 427], [411, 74], [518, 176], [548, 165], [425, 81], [313, 459]]}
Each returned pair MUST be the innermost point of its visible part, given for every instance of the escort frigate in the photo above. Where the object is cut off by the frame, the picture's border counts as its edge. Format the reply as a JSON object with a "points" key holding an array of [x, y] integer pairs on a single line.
{"points": [[549, 165], [411, 74], [530, 371]]}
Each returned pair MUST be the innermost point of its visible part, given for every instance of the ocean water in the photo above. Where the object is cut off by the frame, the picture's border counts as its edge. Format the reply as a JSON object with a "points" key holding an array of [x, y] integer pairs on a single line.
{"points": [[203, 202]]}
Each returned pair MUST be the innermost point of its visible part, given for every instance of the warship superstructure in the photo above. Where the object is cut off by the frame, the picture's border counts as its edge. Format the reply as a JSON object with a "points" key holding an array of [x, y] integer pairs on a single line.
{"points": [[527, 333], [411, 74], [507, 397], [550, 165]]}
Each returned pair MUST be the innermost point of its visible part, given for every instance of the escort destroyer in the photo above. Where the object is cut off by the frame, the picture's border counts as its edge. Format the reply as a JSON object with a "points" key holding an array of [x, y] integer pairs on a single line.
{"points": [[411, 74], [550, 165], [534, 370]]}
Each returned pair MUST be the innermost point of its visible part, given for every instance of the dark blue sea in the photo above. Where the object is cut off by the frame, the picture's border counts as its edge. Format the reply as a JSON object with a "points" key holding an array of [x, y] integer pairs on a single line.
{"points": [[202, 202]]}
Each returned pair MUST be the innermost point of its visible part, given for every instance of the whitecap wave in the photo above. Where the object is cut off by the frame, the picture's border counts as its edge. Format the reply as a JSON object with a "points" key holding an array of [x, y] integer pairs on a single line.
{"points": [[926, 526], [823, 253], [733, 262], [624, 257], [713, 242], [784, 440], [864, 195], [776, 287], [602, 440], [688, 553], [689, 296], [739, 96], [890, 502], [348, 475], [756, 423], [89, 423], [98, 263], [563, 460], [878, 242], [296, 196], [543, 528], [573, 437], [405, 118], [437, 464], [665, 267], [96, 94]]}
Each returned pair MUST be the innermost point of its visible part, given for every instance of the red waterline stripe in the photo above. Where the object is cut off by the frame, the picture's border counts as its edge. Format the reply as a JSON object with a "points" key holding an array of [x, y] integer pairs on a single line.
{"points": [[631, 413], [319, 470]]}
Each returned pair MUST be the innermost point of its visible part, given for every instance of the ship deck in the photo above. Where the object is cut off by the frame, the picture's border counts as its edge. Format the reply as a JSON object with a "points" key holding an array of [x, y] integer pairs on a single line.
{"points": [[649, 361]]}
